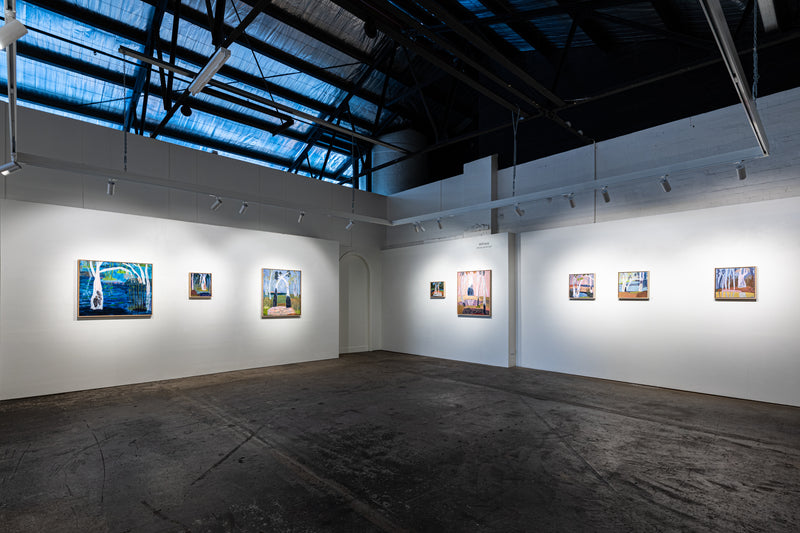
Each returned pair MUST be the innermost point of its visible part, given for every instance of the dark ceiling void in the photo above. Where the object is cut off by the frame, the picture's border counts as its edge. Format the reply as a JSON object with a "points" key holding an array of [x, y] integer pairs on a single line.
{"points": [[313, 87]]}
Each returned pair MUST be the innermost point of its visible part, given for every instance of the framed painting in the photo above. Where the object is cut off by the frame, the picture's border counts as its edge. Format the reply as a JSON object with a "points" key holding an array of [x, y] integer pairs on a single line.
{"points": [[474, 293], [581, 286], [114, 289], [280, 293], [199, 285], [437, 290], [735, 284], [634, 285]]}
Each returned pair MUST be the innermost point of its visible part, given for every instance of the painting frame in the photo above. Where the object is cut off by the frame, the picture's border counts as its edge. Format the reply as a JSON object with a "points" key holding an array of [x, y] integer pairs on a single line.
{"points": [[437, 290], [474, 285], [575, 289], [200, 288], [642, 280], [724, 275], [119, 289], [271, 299]]}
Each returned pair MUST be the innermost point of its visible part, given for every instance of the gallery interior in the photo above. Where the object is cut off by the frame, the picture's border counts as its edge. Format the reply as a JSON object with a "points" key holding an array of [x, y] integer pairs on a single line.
{"points": [[390, 265]]}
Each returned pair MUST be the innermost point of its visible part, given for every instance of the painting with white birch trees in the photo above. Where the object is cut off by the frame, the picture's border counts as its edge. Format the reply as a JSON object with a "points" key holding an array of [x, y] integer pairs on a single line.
{"points": [[634, 285], [581, 286], [737, 283], [280, 293], [199, 285], [114, 289]]}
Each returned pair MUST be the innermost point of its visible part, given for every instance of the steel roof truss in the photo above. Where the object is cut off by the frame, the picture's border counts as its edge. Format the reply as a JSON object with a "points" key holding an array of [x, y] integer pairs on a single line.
{"points": [[152, 36]]}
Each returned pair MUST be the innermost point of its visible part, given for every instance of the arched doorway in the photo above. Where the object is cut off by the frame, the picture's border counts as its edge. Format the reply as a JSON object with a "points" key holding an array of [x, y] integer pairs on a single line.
{"points": [[354, 298]]}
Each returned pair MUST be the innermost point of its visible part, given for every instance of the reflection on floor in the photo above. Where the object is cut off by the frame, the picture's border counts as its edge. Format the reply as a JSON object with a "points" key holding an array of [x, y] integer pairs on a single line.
{"points": [[391, 442]]}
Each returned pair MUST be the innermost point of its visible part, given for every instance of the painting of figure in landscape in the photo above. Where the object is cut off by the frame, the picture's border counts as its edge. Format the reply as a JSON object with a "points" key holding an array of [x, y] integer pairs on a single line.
{"points": [[474, 293], [581, 286], [737, 283], [634, 285], [114, 289], [199, 285], [280, 293], [437, 289]]}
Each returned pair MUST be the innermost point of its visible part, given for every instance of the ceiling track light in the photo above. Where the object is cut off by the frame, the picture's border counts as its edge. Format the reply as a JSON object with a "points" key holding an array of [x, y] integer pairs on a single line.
{"points": [[243, 208], [439, 223], [300, 216], [665, 184], [349, 225], [8, 168], [111, 186], [606, 196], [416, 227], [571, 198], [518, 210], [741, 171], [421, 226], [370, 29], [217, 203]]}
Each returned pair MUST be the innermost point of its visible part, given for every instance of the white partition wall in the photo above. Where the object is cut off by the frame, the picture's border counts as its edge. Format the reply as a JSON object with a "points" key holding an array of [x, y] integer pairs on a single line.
{"points": [[681, 338], [414, 323], [45, 349]]}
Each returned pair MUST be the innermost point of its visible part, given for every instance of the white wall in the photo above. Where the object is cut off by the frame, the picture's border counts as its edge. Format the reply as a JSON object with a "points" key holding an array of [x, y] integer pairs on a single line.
{"points": [[413, 323], [681, 338], [681, 142], [471, 187], [168, 169], [45, 349]]}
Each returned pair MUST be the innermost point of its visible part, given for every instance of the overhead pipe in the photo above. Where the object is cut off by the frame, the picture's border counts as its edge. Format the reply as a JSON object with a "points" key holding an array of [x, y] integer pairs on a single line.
{"points": [[719, 27], [10, 9]]}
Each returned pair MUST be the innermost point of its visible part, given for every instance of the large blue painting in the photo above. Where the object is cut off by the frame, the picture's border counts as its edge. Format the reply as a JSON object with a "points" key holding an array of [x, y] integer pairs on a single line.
{"points": [[114, 289]]}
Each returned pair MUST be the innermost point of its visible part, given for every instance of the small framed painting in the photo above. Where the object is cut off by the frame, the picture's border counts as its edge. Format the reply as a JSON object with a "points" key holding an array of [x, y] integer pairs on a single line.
{"points": [[280, 293], [581, 286], [437, 290], [634, 285], [199, 285], [474, 293], [735, 284]]}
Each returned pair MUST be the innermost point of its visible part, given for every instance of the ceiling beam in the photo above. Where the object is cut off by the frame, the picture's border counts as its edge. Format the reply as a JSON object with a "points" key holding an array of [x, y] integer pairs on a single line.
{"points": [[486, 48], [300, 115], [365, 57], [198, 18], [587, 21], [108, 76], [116, 27], [216, 38], [153, 27], [549, 11], [343, 106], [387, 23], [682, 38], [523, 27]]}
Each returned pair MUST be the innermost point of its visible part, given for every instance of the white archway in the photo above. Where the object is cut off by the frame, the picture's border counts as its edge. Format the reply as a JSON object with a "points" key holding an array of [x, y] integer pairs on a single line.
{"points": [[354, 304]]}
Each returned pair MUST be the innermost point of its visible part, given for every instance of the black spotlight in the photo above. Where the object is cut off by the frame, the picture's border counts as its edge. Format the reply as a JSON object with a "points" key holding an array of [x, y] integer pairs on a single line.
{"points": [[186, 111], [370, 30]]}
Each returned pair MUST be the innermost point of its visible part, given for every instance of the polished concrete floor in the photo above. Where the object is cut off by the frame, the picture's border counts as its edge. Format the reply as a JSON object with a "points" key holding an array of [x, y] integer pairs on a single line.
{"points": [[392, 442]]}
